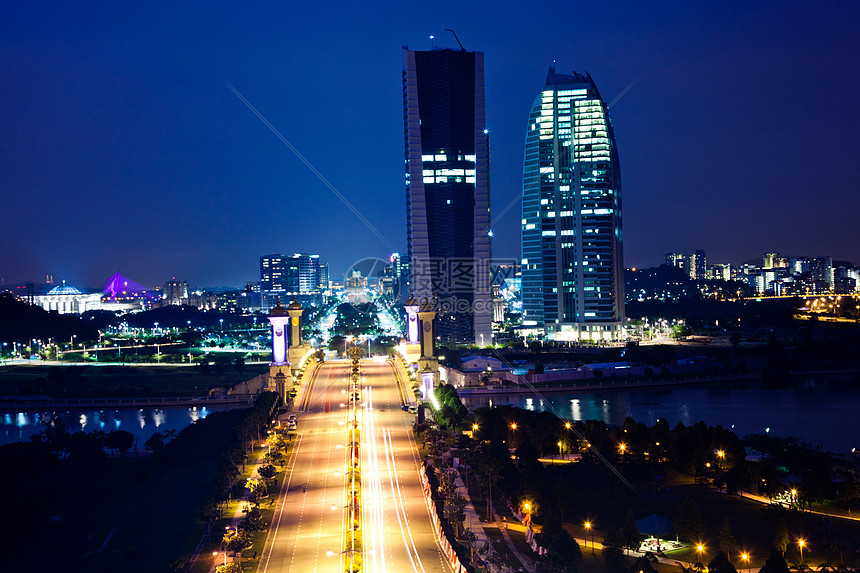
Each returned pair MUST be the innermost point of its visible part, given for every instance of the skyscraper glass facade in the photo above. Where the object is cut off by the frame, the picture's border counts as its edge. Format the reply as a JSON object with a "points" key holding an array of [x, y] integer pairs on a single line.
{"points": [[447, 189], [572, 266]]}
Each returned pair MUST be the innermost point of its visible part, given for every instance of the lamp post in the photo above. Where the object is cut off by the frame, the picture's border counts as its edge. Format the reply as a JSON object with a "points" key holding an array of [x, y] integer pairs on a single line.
{"points": [[527, 506], [745, 557], [801, 543], [587, 529]]}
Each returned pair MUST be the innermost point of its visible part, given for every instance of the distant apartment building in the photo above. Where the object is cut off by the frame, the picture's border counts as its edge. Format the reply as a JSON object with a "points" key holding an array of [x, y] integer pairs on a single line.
{"points": [[694, 265], [175, 292], [284, 278]]}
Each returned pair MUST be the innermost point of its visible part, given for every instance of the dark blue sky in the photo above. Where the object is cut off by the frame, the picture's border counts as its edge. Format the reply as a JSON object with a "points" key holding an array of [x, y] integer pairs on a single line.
{"points": [[121, 146]]}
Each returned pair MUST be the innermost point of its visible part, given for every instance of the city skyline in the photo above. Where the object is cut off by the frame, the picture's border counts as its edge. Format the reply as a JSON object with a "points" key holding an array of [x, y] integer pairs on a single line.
{"points": [[122, 124]]}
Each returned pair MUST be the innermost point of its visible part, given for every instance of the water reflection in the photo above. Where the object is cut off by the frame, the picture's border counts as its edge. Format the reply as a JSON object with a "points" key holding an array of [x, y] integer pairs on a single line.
{"points": [[19, 426], [820, 413]]}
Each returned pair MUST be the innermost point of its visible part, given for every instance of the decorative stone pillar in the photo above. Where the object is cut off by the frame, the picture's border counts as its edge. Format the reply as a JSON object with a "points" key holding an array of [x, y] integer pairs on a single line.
{"points": [[426, 314], [279, 370], [412, 324], [428, 364], [413, 330], [297, 349]]}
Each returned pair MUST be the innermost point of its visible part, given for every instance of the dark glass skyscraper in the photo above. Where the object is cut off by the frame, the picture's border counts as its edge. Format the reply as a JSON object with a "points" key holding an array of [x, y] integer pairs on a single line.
{"points": [[572, 267], [447, 189]]}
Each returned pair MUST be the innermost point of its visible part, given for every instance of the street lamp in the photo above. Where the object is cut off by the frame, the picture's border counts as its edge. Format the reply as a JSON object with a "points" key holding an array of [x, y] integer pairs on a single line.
{"points": [[215, 554], [559, 449], [587, 529], [745, 557], [527, 506], [801, 543]]}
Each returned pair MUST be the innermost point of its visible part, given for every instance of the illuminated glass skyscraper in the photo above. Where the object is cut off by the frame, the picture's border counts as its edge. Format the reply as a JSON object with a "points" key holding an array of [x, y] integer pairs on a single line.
{"points": [[572, 267], [447, 189]]}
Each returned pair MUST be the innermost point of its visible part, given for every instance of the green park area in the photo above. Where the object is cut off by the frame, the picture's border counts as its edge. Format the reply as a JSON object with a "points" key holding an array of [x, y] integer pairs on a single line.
{"points": [[733, 504]]}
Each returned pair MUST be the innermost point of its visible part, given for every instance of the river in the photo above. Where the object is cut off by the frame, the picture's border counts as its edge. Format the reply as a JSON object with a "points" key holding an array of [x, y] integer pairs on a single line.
{"points": [[142, 422], [818, 411]]}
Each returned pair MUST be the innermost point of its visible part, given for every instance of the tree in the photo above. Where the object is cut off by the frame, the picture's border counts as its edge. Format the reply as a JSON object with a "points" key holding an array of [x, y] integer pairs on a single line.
{"points": [[85, 448], [613, 551], [276, 441], [258, 489], [681, 331], [721, 564], [267, 471], [253, 520], [121, 440], [236, 541], [155, 443], [688, 521], [229, 568], [644, 564], [562, 550], [775, 563], [727, 539], [632, 537], [780, 536]]}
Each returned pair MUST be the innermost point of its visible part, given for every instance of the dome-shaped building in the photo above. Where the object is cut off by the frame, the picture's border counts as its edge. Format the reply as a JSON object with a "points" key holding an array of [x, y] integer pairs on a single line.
{"points": [[66, 299]]}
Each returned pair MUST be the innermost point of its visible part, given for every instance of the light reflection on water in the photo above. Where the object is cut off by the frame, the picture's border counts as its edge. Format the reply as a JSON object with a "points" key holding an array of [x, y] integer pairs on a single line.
{"points": [[19, 426], [820, 412]]}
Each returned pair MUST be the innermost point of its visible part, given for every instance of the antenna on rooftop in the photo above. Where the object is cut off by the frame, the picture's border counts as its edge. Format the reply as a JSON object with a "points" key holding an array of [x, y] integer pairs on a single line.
{"points": [[456, 38]]}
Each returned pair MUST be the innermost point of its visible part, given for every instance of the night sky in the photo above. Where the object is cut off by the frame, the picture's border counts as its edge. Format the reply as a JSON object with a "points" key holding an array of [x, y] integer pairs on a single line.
{"points": [[121, 146]]}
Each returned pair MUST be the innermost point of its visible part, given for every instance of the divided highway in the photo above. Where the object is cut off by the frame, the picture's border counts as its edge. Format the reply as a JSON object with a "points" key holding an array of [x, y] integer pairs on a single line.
{"points": [[307, 530]]}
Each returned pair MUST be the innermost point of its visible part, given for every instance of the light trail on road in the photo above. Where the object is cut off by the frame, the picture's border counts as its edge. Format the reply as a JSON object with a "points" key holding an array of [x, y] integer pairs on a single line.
{"points": [[377, 500], [399, 504], [311, 522]]}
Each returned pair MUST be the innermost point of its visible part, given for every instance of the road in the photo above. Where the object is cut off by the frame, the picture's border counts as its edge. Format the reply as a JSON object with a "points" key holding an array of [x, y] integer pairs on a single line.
{"points": [[307, 533]]}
